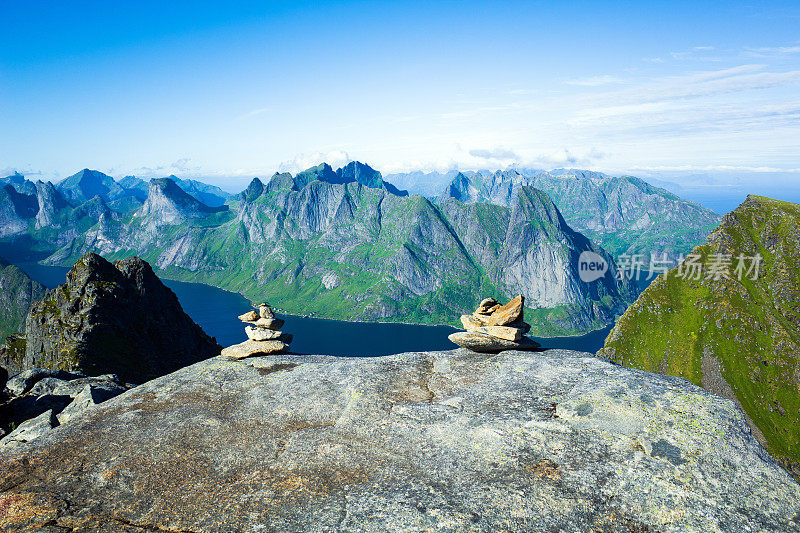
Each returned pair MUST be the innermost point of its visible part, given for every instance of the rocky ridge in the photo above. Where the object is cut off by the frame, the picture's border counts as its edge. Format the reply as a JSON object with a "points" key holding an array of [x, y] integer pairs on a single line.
{"points": [[421, 441], [623, 214], [110, 318]]}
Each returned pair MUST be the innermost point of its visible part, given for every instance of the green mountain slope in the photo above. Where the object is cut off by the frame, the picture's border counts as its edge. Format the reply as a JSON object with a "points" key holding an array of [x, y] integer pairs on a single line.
{"points": [[17, 293], [740, 339]]}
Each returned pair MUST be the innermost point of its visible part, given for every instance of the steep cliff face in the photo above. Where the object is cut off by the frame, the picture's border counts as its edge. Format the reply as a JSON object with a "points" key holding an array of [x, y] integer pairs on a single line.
{"points": [[168, 204], [622, 214], [16, 209], [432, 441], [50, 203], [739, 338], [17, 293], [112, 318]]}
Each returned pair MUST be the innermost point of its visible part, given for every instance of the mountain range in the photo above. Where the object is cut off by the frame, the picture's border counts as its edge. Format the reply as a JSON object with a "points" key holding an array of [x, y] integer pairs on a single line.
{"points": [[625, 214], [348, 244]]}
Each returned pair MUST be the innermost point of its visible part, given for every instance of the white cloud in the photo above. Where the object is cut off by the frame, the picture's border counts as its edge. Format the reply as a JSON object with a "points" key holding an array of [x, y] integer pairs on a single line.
{"points": [[335, 158], [498, 153], [595, 81], [253, 113], [772, 51]]}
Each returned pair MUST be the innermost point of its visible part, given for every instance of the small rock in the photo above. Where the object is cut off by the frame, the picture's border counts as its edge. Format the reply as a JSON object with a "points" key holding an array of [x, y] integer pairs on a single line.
{"points": [[250, 316], [29, 430], [471, 323], [503, 332], [261, 334], [269, 323], [486, 306], [482, 343], [250, 347], [265, 311], [508, 313], [512, 332]]}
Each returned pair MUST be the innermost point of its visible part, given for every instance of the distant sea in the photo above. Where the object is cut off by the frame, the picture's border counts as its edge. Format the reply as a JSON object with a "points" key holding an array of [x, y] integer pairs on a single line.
{"points": [[215, 310]]}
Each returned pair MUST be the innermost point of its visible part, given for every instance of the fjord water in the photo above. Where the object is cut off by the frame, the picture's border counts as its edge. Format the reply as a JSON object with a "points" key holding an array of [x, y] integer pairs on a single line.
{"points": [[215, 310]]}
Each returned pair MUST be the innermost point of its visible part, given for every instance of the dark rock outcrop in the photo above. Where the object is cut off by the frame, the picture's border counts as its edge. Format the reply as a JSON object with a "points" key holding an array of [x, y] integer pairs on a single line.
{"points": [[59, 394], [437, 441], [113, 318]]}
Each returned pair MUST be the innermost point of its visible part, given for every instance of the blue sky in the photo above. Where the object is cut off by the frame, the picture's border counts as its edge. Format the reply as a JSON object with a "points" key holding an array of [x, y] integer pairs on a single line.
{"points": [[699, 93]]}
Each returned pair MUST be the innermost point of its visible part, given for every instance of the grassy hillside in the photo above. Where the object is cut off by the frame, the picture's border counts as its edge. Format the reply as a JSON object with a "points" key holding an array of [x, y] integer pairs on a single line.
{"points": [[17, 292], [738, 338]]}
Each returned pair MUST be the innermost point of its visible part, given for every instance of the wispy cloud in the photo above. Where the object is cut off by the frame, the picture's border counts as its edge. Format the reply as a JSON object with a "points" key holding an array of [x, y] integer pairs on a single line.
{"points": [[335, 158], [253, 113], [500, 154], [595, 81]]}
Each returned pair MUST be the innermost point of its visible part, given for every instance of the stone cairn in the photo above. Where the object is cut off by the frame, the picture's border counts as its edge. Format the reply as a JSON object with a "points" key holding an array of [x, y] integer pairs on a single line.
{"points": [[263, 335], [493, 328]]}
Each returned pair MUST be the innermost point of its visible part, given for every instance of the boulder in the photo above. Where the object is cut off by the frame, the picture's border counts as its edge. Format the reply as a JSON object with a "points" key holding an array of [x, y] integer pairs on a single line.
{"points": [[436, 441], [249, 348], [25, 380], [29, 430], [508, 313], [261, 333], [91, 395], [100, 383], [47, 386], [3, 378], [483, 343], [23, 408], [250, 316]]}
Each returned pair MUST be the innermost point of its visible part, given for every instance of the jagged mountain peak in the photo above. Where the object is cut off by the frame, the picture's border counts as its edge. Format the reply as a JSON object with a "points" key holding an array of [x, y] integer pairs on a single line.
{"points": [[167, 203], [253, 191], [352, 172], [19, 182], [88, 183], [130, 323]]}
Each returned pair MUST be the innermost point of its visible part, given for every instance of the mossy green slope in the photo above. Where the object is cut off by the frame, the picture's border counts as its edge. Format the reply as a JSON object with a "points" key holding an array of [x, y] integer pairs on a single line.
{"points": [[17, 293], [743, 331]]}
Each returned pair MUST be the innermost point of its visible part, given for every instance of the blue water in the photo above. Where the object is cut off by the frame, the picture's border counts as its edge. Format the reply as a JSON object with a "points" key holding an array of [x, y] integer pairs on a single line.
{"points": [[215, 310]]}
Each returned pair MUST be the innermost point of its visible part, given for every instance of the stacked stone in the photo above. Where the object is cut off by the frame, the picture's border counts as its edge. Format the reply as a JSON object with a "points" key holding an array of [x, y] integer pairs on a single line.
{"points": [[263, 335], [493, 328]]}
